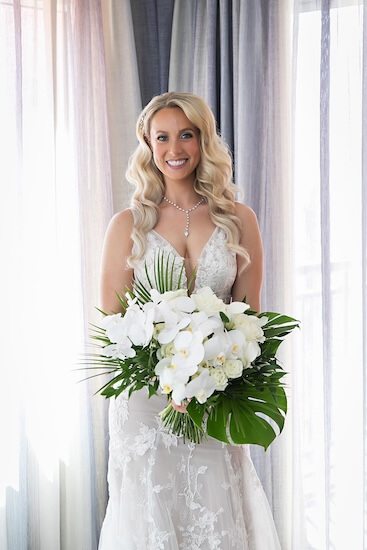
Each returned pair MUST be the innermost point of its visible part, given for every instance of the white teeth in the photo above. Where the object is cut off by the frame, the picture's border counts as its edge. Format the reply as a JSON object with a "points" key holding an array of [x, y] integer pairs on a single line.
{"points": [[176, 162]]}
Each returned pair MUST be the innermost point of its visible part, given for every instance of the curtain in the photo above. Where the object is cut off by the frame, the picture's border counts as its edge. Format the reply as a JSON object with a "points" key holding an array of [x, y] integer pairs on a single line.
{"points": [[75, 74], [239, 65], [55, 202], [329, 273]]}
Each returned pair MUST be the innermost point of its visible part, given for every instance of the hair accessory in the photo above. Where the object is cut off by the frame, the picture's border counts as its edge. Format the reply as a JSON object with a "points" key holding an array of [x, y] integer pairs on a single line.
{"points": [[141, 123], [187, 212]]}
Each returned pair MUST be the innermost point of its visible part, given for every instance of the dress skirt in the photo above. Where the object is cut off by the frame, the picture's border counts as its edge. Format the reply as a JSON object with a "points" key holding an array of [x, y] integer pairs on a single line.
{"points": [[169, 495]]}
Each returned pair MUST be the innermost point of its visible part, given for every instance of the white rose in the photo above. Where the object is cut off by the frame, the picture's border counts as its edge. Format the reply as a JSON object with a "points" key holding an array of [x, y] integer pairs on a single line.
{"points": [[158, 327], [233, 368], [172, 294], [156, 297], [250, 326], [219, 377], [167, 350], [207, 301]]}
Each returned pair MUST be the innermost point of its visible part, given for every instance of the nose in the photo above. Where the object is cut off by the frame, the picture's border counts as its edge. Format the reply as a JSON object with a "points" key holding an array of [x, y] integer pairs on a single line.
{"points": [[175, 146]]}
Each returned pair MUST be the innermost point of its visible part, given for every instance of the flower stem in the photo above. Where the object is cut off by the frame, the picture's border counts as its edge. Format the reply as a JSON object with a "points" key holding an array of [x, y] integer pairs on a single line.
{"points": [[181, 424]]}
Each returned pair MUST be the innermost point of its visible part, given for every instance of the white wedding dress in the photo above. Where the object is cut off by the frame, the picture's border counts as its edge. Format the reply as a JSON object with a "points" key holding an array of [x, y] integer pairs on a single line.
{"points": [[170, 495]]}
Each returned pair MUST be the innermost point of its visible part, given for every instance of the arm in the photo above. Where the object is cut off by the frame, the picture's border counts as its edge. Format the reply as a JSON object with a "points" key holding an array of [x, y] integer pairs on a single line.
{"points": [[248, 282], [117, 247]]}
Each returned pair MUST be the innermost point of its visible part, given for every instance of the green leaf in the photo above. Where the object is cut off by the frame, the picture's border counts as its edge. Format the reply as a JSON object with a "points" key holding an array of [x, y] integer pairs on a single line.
{"points": [[171, 274], [180, 276], [192, 279], [280, 332], [152, 390], [218, 419], [270, 347], [196, 412], [255, 430], [141, 291], [224, 317], [278, 319], [160, 272], [147, 274], [168, 275]]}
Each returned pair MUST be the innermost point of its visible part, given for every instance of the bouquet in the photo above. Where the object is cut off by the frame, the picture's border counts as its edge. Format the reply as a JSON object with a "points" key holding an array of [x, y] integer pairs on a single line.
{"points": [[218, 359]]}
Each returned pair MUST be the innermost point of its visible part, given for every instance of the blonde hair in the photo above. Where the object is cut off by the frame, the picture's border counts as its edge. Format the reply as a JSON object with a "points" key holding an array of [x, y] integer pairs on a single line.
{"points": [[213, 174]]}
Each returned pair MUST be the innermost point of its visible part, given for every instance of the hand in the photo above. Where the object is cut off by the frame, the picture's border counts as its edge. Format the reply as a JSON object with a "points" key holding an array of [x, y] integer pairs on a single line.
{"points": [[180, 408]]}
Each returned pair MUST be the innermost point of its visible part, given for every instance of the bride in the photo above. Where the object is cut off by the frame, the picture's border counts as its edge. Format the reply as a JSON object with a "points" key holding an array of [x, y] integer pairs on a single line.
{"points": [[164, 493]]}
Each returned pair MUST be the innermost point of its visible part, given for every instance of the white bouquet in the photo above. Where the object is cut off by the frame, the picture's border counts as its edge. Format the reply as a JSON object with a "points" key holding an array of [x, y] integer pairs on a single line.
{"points": [[217, 359]]}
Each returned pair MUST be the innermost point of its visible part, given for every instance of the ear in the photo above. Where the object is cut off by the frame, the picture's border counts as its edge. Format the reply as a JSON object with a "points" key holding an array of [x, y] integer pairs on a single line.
{"points": [[147, 141]]}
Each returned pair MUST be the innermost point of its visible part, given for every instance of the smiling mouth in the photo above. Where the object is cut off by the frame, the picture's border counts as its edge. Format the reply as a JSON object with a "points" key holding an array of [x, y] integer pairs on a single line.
{"points": [[176, 163]]}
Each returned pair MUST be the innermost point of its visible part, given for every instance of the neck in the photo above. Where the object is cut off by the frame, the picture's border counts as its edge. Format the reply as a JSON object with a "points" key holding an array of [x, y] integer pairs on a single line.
{"points": [[184, 196]]}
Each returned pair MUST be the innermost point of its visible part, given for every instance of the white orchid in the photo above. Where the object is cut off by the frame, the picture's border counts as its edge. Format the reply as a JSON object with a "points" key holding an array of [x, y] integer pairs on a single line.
{"points": [[190, 349], [251, 351], [201, 387], [139, 325], [200, 320], [174, 321], [171, 329], [216, 349], [172, 378], [236, 344], [116, 328], [110, 320], [122, 350], [234, 308]]}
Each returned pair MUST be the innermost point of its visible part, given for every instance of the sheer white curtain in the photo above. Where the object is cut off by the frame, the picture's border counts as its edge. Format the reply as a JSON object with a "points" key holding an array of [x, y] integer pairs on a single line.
{"points": [[54, 205], [329, 384]]}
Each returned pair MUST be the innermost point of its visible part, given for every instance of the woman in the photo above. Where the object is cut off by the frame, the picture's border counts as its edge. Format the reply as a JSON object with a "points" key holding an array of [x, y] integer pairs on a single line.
{"points": [[166, 494]]}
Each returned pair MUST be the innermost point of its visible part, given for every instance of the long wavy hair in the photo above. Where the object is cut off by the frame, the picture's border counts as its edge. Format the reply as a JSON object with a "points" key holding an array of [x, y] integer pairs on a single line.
{"points": [[213, 174]]}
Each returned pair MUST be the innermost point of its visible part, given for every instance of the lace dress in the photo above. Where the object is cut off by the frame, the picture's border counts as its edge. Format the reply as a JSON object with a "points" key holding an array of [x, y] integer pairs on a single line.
{"points": [[167, 495]]}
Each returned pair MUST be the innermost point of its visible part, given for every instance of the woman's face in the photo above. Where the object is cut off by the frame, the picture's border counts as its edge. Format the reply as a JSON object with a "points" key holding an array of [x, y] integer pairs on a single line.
{"points": [[174, 141]]}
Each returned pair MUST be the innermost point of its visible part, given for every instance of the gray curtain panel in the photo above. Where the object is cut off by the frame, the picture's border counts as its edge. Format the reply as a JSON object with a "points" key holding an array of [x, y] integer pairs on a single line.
{"points": [[232, 55], [152, 24]]}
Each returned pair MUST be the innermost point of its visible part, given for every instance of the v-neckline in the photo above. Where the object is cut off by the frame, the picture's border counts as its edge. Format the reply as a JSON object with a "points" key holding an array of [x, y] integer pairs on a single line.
{"points": [[175, 251], [182, 258]]}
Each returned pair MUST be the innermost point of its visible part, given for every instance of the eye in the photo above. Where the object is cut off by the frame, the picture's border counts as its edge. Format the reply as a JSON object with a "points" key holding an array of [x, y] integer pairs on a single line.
{"points": [[187, 135], [162, 138]]}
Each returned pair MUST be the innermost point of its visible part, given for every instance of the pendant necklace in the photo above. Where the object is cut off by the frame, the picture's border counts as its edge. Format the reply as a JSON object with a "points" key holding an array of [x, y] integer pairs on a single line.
{"points": [[187, 212]]}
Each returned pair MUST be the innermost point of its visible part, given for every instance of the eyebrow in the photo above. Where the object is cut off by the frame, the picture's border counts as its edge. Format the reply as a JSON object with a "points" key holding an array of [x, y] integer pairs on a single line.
{"points": [[180, 131]]}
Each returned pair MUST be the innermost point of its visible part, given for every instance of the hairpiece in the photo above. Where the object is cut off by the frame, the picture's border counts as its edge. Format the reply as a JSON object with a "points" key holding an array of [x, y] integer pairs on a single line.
{"points": [[141, 123]]}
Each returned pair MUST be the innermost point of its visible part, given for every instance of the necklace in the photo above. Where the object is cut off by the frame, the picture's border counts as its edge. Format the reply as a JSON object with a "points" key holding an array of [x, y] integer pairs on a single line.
{"points": [[187, 212]]}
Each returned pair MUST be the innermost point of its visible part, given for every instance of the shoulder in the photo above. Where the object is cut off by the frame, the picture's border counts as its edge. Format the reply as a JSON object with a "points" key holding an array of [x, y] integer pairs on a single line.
{"points": [[244, 212], [250, 231], [122, 221], [119, 231]]}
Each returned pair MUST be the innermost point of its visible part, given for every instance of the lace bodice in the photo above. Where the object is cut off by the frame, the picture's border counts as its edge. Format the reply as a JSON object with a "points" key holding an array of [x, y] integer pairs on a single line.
{"points": [[216, 265]]}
